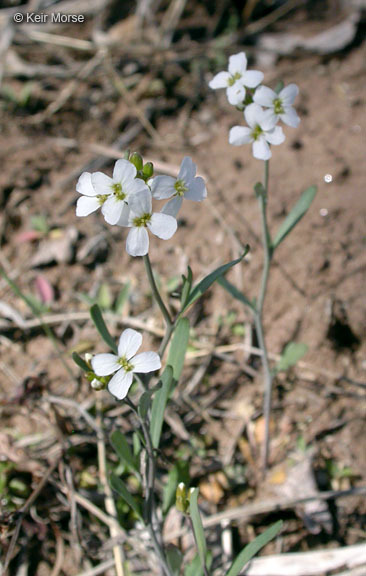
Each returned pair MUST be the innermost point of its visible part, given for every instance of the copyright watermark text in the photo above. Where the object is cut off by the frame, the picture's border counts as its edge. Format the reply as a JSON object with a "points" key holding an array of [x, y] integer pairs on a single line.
{"points": [[41, 18]]}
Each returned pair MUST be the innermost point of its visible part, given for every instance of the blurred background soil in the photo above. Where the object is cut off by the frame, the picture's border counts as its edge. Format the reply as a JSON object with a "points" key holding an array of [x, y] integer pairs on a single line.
{"points": [[74, 97]]}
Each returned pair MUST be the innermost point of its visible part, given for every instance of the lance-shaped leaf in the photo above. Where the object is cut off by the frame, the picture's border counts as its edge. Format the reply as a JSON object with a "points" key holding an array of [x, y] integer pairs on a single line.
{"points": [[292, 353], [194, 568], [235, 292], [80, 362], [186, 288], [298, 211], [158, 406], [199, 534], [123, 450], [211, 278], [178, 348], [253, 548], [96, 316], [120, 487], [174, 558]]}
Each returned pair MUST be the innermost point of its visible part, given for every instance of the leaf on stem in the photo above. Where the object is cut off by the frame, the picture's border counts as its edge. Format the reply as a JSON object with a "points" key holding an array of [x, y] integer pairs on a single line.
{"points": [[120, 487], [234, 292], [80, 362], [194, 568], [96, 316], [174, 558], [292, 353], [205, 284], [297, 212], [123, 450], [159, 404], [178, 348], [253, 548], [199, 534], [186, 288]]}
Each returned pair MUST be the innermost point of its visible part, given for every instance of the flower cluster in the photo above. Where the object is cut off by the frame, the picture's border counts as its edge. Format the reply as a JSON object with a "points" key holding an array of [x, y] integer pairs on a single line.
{"points": [[263, 107], [126, 199]]}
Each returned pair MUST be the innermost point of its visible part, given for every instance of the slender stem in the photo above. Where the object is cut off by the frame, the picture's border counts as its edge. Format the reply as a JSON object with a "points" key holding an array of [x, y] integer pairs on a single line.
{"points": [[155, 291], [204, 567], [258, 316], [150, 511]]}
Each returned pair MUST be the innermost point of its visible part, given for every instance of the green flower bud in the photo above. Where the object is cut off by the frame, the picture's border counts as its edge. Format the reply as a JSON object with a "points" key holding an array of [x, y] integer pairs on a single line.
{"points": [[137, 161], [182, 498], [148, 170]]}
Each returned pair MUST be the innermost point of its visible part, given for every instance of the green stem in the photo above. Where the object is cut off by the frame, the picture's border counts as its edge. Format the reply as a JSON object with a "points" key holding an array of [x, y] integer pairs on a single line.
{"points": [[150, 511], [258, 316], [155, 291], [203, 563]]}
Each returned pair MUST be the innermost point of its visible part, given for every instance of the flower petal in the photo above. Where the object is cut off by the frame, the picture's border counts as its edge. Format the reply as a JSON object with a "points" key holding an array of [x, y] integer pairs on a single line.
{"points": [[163, 187], [253, 115], [112, 210], [146, 362], [120, 384], [187, 170], [238, 63], [129, 342], [290, 117], [221, 80], [86, 205], [102, 183], [84, 185], [140, 203], [288, 94], [137, 243], [235, 94], [105, 364], [261, 150], [197, 190], [173, 206], [275, 136], [264, 96], [124, 171], [252, 78], [162, 225], [239, 135], [125, 216], [269, 119]]}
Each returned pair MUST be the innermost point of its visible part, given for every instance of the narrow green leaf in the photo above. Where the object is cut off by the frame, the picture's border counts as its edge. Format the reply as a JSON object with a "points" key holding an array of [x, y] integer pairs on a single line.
{"points": [[120, 487], [187, 285], [80, 362], [96, 316], [174, 558], [298, 211], [197, 526], [292, 353], [123, 450], [178, 348], [211, 278], [159, 404], [253, 548], [235, 293], [194, 568]]}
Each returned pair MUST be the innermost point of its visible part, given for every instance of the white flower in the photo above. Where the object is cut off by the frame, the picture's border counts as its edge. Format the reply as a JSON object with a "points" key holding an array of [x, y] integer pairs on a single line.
{"points": [[236, 79], [140, 218], [261, 132], [125, 364], [280, 104], [90, 200], [115, 193], [186, 185]]}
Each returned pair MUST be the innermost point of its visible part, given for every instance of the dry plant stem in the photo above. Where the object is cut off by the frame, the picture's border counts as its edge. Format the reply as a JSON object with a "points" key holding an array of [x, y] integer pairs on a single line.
{"points": [[108, 500], [151, 520], [258, 316]]}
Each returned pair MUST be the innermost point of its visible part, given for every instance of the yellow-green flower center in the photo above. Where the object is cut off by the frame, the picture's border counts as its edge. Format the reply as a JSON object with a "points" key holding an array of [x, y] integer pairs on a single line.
{"points": [[234, 78], [117, 191], [143, 220], [278, 106], [102, 198], [126, 365], [256, 132], [180, 188]]}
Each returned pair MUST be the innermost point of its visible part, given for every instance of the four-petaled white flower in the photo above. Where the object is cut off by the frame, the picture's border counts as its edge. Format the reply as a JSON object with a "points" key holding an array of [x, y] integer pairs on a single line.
{"points": [[280, 104], [125, 364], [142, 218], [261, 132], [236, 79], [89, 201], [114, 193], [186, 185]]}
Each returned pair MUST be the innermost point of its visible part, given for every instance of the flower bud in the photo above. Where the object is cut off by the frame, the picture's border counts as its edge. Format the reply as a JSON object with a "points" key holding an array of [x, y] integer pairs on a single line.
{"points": [[137, 161], [182, 498], [148, 170], [97, 385]]}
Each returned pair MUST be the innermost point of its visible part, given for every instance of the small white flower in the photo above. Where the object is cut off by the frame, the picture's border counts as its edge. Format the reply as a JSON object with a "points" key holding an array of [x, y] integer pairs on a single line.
{"points": [[125, 364], [114, 193], [280, 104], [186, 185], [142, 218], [90, 200], [236, 79], [261, 132]]}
